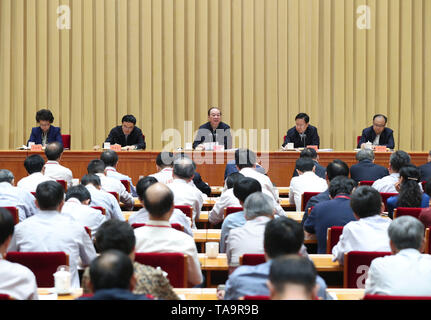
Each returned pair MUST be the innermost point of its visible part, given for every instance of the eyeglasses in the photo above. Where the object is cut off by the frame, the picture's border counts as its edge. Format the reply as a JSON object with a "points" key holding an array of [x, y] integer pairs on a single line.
{"points": [[379, 125]]}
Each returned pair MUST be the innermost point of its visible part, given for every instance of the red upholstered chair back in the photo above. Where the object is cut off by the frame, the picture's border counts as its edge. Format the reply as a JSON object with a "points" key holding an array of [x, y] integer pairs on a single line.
{"points": [[357, 139], [63, 184], [423, 184], [229, 210], [42, 264], [5, 297], [66, 141], [401, 211], [88, 230], [116, 195], [14, 212], [366, 183], [356, 265], [101, 209], [427, 241], [126, 184], [174, 263], [249, 259], [385, 196], [305, 197], [188, 211], [176, 226], [332, 237], [386, 297], [284, 139], [256, 298]]}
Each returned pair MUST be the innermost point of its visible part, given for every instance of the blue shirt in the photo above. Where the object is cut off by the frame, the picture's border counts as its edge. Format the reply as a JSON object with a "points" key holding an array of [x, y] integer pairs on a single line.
{"points": [[234, 220], [392, 203], [251, 281]]}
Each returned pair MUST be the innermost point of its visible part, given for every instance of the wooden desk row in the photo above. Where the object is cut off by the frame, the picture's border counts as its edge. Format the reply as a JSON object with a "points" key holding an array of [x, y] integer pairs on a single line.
{"points": [[200, 294]]}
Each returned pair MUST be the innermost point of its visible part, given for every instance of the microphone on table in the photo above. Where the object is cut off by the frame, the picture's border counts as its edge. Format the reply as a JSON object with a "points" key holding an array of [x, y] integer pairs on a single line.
{"points": [[303, 136]]}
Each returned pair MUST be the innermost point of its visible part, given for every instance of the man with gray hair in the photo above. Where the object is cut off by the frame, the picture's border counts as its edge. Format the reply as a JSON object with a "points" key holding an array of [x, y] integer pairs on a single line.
{"points": [[258, 210], [407, 272], [366, 169], [11, 196], [185, 193], [397, 160]]}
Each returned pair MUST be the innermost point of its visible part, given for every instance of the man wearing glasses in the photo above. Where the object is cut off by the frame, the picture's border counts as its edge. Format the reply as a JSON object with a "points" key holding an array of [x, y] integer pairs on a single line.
{"points": [[127, 135], [378, 134]]}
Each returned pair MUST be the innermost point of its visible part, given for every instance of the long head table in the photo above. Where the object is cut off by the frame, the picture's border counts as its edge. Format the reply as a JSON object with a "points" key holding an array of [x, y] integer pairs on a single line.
{"points": [[210, 165]]}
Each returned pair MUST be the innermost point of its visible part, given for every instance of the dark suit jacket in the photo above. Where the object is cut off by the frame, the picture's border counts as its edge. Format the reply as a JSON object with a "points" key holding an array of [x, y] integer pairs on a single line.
{"points": [[135, 138], [207, 134], [54, 134], [312, 137], [201, 185], [115, 294], [323, 196], [386, 137], [367, 170], [425, 170], [335, 212], [320, 171]]}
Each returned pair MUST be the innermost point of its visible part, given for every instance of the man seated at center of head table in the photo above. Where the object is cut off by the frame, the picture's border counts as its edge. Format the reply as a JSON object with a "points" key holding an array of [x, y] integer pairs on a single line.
{"points": [[213, 131], [128, 135]]}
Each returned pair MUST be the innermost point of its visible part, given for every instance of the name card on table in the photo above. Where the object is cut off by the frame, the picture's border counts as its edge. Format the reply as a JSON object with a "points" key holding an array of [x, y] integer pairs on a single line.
{"points": [[116, 147], [36, 147], [313, 147], [380, 149]]}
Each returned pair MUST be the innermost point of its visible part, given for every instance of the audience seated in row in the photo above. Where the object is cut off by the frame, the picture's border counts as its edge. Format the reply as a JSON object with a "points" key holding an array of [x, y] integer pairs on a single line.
{"points": [[35, 166], [366, 169], [319, 170], [397, 160], [53, 168]]}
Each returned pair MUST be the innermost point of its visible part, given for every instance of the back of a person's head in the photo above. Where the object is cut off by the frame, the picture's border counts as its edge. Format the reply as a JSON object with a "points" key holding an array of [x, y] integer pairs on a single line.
{"points": [[366, 201], [410, 193], [113, 269], [53, 150], [233, 178], [7, 225], [304, 164], [34, 163], [258, 204], [115, 234], [165, 159], [143, 185], [6, 176], [109, 158], [49, 195], [90, 179], [308, 153], [79, 192], [365, 154], [129, 118], [245, 187], [96, 166], [245, 158], [293, 270], [399, 159], [406, 232], [337, 168], [283, 236], [341, 184], [184, 168], [158, 199]]}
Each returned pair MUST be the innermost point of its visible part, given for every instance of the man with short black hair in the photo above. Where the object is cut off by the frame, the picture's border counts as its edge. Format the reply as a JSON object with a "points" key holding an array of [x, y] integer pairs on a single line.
{"points": [[164, 165], [112, 277], [77, 207], [292, 278], [306, 181], [335, 212], [302, 134], [320, 171], [159, 236], [407, 272], [213, 131], [34, 165], [11, 196], [53, 168], [128, 135], [366, 169], [397, 160], [369, 232], [378, 134], [16, 280], [49, 230]]}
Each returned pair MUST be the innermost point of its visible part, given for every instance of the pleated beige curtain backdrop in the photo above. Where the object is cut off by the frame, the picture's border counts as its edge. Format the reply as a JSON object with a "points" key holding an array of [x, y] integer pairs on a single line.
{"points": [[261, 61]]}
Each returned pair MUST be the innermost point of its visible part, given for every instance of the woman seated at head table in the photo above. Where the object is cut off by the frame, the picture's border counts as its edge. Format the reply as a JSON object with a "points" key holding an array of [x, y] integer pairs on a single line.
{"points": [[45, 132]]}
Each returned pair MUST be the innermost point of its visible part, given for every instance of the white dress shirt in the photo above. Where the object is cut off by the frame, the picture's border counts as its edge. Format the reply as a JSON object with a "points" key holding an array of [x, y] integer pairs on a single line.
{"points": [[56, 171], [31, 182], [387, 184], [101, 198], [408, 273], [51, 231], [142, 216], [187, 195], [246, 239], [83, 215], [306, 182], [17, 281], [226, 199], [164, 175], [113, 173], [11, 196], [159, 236], [114, 185], [366, 234]]}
